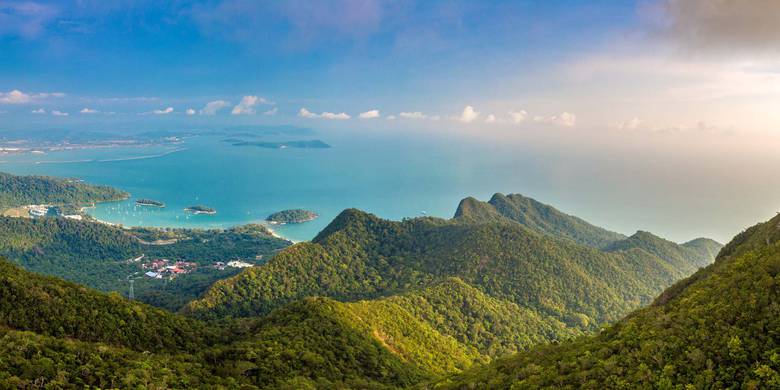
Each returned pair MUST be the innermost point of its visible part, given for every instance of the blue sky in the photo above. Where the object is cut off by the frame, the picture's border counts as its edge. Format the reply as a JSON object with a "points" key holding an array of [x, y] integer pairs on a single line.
{"points": [[340, 56], [659, 66]]}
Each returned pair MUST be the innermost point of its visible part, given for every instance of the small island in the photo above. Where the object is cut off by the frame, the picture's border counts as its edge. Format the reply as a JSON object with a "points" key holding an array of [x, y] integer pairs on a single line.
{"points": [[149, 202], [291, 216], [200, 209]]}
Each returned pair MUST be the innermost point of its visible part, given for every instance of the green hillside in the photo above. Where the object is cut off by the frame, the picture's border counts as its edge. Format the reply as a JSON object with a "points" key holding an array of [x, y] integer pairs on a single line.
{"points": [[24, 190], [95, 254], [53, 307], [716, 329], [537, 216]]}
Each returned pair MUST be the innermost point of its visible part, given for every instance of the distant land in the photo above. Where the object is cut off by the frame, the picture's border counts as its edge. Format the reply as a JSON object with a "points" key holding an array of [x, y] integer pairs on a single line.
{"points": [[292, 216], [149, 202], [311, 144], [200, 209]]}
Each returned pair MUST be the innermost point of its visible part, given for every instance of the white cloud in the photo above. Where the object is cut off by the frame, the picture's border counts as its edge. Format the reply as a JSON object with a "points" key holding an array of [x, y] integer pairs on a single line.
{"points": [[86, 110], [271, 112], [163, 112], [490, 119], [18, 97], [59, 113], [333, 116], [190, 111], [247, 104], [390, 117], [371, 114], [631, 124], [14, 97], [435, 118], [518, 117], [565, 119], [38, 111], [304, 113], [468, 115], [413, 115], [212, 108]]}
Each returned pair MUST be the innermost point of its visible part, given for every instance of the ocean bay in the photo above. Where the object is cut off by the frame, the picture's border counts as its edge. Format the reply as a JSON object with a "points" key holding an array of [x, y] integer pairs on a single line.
{"points": [[391, 177]]}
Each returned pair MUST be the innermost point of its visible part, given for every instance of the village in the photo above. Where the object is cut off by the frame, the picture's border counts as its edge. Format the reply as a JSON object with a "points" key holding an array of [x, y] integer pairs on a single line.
{"points": [[164, 268]]}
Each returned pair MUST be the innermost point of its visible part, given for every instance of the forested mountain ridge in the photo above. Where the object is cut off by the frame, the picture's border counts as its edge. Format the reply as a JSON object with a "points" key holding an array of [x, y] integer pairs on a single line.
{"points": [[24, 190], [359, 256], [537, 216], [716, 329]]}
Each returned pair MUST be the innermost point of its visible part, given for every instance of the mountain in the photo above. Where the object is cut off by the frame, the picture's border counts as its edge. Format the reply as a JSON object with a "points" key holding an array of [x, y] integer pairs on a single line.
{"points": [[536, 216], [18, 191], [716, 329]]}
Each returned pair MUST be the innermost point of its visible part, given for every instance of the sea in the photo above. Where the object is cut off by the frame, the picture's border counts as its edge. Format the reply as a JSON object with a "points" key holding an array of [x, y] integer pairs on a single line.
{"points": [[388, 175]]}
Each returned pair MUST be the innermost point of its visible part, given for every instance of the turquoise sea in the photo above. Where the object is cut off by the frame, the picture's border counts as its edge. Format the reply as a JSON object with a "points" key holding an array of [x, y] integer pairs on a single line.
{"points": [[391, 176]]}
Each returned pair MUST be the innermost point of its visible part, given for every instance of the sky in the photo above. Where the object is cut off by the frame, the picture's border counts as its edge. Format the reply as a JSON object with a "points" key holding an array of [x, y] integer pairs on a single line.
{"points": [[668, 94], [663, 65]]}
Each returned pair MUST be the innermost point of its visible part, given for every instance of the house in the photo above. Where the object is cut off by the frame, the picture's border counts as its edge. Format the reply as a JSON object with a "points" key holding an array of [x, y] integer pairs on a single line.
{"points": [[153, 275]]}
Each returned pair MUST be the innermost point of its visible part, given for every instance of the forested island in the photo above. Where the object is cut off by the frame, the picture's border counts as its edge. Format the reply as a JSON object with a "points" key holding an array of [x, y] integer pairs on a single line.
{"points": [[149, 202], [292, 216], [200, 209], [311, 144]]}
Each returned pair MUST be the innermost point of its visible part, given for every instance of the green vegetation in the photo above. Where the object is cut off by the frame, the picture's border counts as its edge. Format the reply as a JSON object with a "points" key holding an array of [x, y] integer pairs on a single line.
{"points": [[200, 209], [57, 308], [18, 191], [537, 216], [97, 255], [716, 329], [149, 202], [292, 216]]}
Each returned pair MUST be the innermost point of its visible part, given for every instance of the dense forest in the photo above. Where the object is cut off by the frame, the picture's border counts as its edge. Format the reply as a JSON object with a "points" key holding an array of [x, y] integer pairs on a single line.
{"points": [[18, 191], [716, 329]]}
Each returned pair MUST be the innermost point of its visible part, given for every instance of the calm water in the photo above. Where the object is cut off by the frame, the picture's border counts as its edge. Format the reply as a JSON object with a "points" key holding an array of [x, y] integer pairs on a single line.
{"points": [[393, 177]]}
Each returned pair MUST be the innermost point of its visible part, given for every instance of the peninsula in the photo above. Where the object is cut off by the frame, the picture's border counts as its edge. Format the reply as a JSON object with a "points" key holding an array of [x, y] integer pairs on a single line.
{"points": [[149, 202], [200, 209], [291, 216]]}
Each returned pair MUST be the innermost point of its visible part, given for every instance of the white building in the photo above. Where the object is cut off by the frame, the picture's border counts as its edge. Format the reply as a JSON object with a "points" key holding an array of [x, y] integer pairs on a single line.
{"points": [[238, 264]]}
